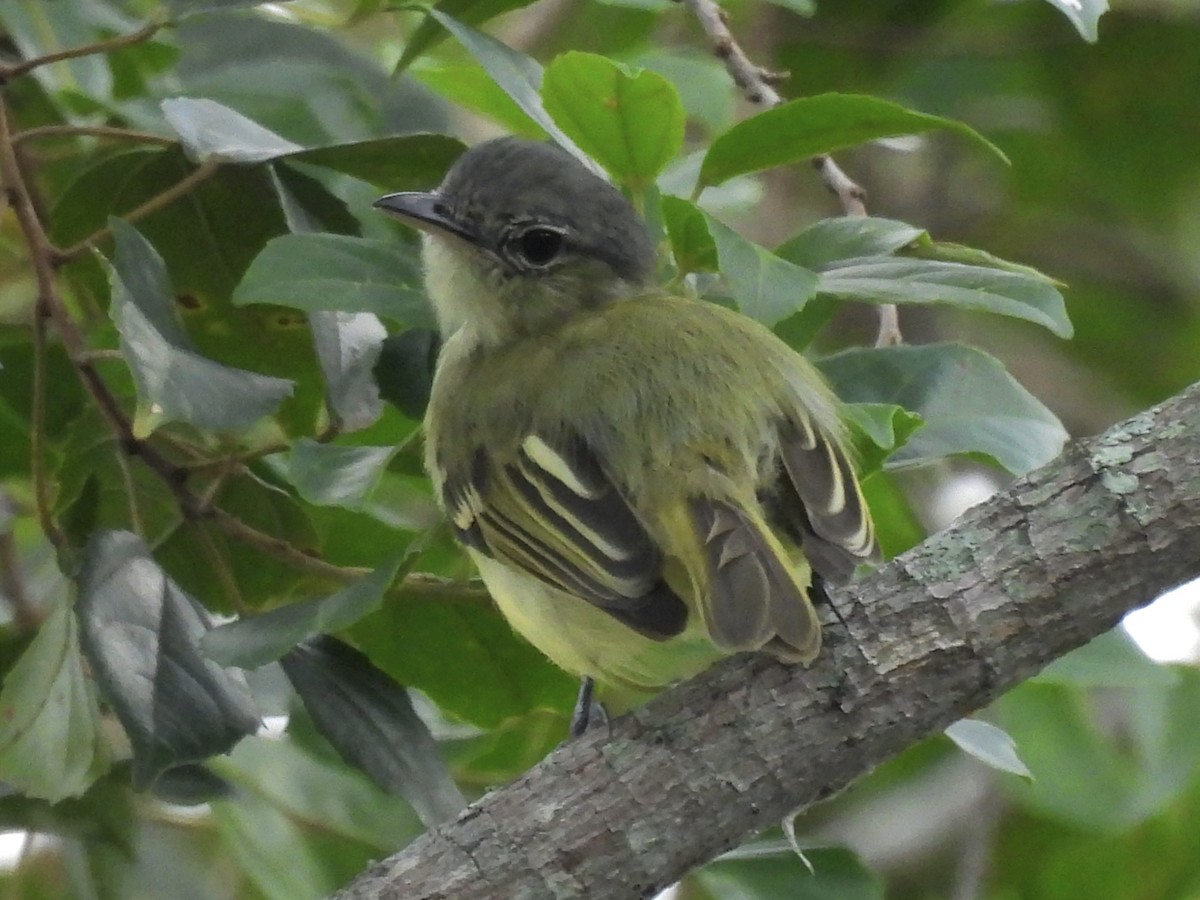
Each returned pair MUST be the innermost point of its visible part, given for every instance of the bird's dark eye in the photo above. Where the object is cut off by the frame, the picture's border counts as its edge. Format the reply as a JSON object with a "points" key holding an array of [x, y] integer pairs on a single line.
{"points": [[539, 246]]}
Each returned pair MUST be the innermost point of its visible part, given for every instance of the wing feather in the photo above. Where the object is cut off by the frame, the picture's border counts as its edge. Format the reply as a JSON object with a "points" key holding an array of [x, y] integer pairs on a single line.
{"points": [[553, 513], [835, 525]]}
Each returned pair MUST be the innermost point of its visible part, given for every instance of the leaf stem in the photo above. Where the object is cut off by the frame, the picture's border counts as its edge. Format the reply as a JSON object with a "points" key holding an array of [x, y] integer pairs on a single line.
{"points": [[147, 31], [197, 176], [44, 132]]}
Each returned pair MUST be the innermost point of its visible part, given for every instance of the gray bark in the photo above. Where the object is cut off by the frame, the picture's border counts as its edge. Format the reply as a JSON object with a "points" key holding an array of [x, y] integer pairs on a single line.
{"points": [[935, 634]]}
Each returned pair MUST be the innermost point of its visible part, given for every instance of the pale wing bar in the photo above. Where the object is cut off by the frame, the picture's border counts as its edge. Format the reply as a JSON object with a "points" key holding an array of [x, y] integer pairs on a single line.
{"points": [[839, 534], [554, 514]]}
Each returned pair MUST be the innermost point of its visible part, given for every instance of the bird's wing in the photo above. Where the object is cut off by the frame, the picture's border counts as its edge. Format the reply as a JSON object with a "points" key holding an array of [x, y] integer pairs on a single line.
{"points": [[822, 495], [551, 511]]}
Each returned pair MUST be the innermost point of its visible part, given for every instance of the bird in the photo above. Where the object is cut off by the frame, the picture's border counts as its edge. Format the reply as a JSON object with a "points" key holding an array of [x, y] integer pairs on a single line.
{"points": [[645, 480]]}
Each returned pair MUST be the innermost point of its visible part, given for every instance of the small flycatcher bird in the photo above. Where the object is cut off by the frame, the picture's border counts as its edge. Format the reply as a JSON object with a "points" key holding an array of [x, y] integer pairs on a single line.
{"points": [[646, 481]]}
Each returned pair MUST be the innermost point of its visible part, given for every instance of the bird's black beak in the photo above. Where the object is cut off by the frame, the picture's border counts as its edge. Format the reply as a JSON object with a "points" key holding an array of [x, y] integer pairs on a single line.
{"points": [[426, 211]]}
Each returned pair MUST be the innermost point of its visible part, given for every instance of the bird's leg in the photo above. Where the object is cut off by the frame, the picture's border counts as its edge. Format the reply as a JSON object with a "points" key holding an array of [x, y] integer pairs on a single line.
{"points": [[585, 706]]}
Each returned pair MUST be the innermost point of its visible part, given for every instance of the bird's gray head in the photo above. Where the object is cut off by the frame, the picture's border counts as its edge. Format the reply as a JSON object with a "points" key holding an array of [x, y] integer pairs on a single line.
{"points": [[520, 235]]}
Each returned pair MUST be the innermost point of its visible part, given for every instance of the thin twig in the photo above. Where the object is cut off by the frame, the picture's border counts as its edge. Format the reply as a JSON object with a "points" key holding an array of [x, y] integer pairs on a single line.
{"points": [[757, 86], [147, 31], [200, 174], [98, 131], [37, 436]]}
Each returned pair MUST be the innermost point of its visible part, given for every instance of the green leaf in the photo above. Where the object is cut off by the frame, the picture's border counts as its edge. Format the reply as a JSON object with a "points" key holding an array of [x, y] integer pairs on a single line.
{"points": [[212, 131], [273, 852], [206, 255], [1084, 15], [804, 8], [404, 370], [51, 745], [143, 276], [369, 720], [402, 163], [471, 88], [691, 241], [254, 641], [883, 428], [1110, 661], [348, 347], [845, 237], [315, 788], [629, 122], [969, 402], [333, 475], [800, 129], [141, 635], [177, 385], [333, 272], [989, 744], [886, 279], [469, 12], [465, 657], [518, 75], [766, 287], [181, 9]]}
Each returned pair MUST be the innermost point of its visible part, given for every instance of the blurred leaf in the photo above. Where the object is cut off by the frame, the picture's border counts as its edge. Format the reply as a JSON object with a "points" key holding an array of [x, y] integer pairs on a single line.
{"points": [[182, 8], [257, 640], [969, 402], [883, 426], [141, 635], [271, 850], [504, 752], [1111, 660], [800, 129], [332, 272], [308, 205], [404, 370], [804, 8], [348, 347], [212, 131], [368, 718], [947, 251], [766, 287], [700, 79], [51, 746], [629, 122], [465, 657], [1084, 15], [837, 875], [518, 75], [1142, 747], [399, 163], [317, 790], [691, 241], [191, 785], [472, 88], [886, 279], [469, 12], [847, 237], [990, 745]]}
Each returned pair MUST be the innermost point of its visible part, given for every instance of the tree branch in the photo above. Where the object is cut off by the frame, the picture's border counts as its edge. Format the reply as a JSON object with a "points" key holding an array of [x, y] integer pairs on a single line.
{"points": [[941, 631]]}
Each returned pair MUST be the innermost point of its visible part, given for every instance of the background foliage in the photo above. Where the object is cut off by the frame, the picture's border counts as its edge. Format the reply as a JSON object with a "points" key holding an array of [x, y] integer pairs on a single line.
{"points": [[169, 567]]}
